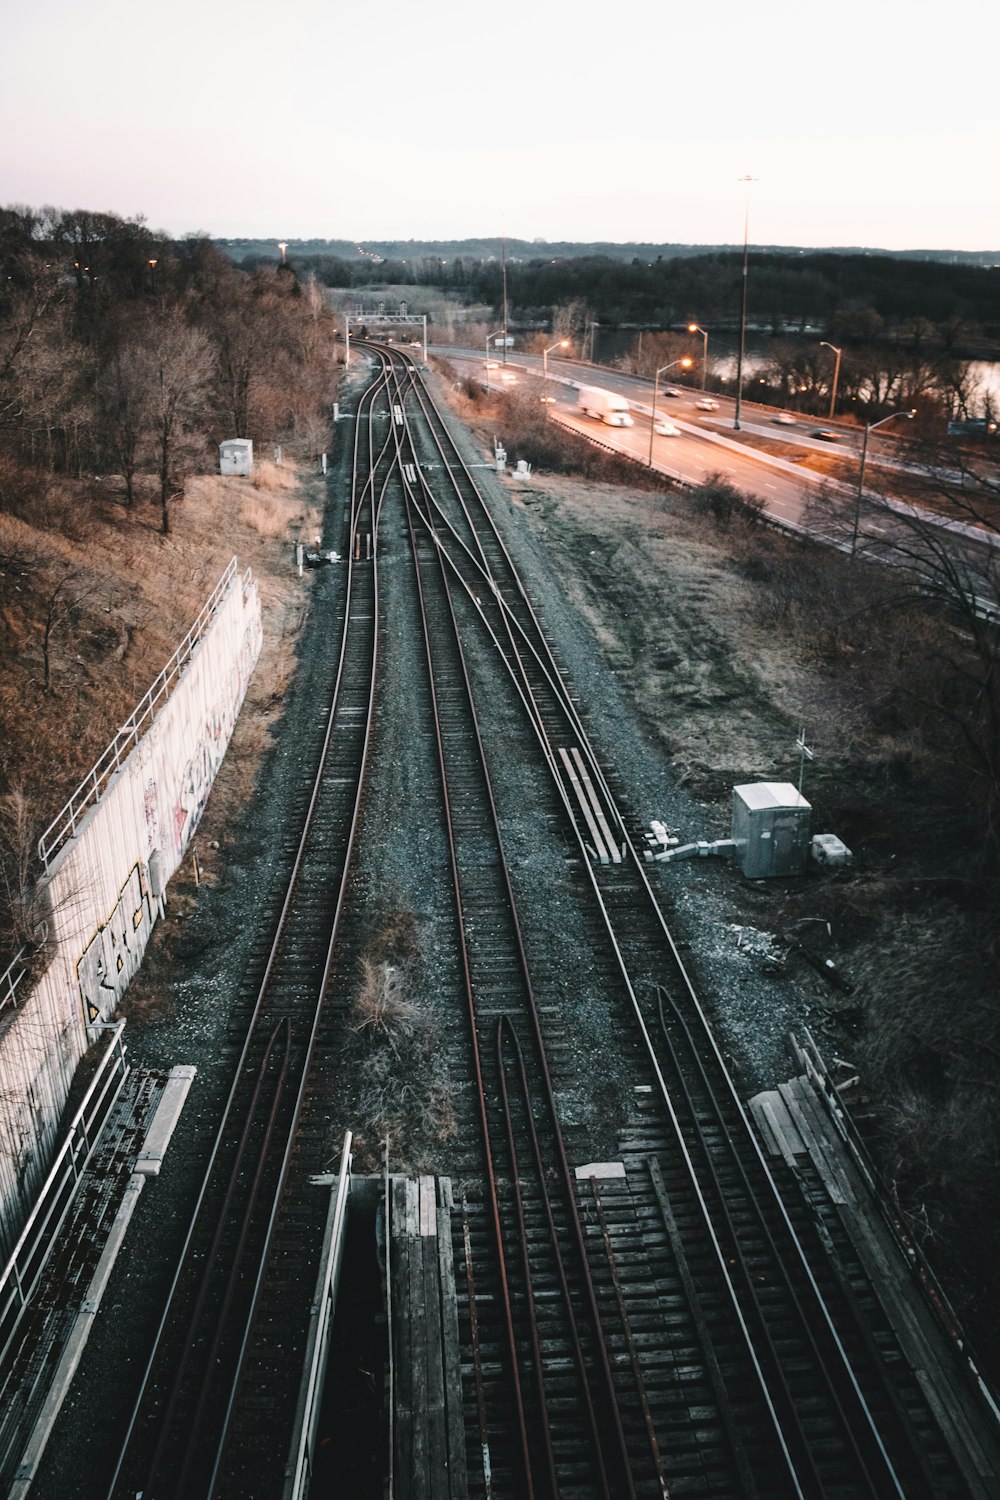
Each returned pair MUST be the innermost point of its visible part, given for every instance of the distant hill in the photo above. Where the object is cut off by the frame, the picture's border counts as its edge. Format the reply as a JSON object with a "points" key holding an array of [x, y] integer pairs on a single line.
{"points": [[526, 250]]}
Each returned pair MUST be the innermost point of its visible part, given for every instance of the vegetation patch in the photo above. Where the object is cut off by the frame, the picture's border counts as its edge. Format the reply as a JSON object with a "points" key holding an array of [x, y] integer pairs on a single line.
{"points": [[392, 1052]]}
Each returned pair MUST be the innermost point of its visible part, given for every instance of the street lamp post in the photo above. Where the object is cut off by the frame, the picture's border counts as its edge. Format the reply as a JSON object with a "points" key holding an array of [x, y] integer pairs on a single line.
{"points": [[870, 428], [488, 337], [836, 373], [697, 328], [559, 344], [687, 362], [743, 306], [503, 264]]}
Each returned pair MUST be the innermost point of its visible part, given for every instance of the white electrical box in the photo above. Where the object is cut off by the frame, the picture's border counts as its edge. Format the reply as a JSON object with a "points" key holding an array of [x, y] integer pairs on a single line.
{"points": [[826, 849]]}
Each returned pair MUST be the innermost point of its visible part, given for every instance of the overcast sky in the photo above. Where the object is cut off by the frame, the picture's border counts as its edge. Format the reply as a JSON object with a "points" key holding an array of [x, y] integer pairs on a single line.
{"points": [[863, 125]]}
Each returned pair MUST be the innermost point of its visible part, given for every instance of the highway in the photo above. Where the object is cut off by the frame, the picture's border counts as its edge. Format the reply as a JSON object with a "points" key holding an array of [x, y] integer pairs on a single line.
{"points": [[708, 445], [704, 448]]}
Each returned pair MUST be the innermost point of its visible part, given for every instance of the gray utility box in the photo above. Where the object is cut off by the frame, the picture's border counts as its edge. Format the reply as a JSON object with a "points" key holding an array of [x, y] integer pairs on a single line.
{"points": [[770, 829], [236, 456]]}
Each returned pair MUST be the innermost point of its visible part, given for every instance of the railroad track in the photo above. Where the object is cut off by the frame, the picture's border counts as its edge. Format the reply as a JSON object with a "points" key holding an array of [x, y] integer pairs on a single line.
{"points": [[679, 1317], [800, 1396], [216, 1365]]}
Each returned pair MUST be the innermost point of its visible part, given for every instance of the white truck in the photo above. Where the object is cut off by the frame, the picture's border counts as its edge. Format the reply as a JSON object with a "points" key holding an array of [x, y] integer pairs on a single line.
{"points": [[592, 401]]}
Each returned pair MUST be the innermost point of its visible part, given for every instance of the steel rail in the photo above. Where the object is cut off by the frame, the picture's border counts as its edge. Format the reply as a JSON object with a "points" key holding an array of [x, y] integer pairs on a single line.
{"points": [[535, 1337], [513, 583], [877, 1481], [470, 1008], [211, 1259], [875, 1484], [497, 591], [565, 1171], [682, 971], [258, 1008], [368, 491], [506, 1030], [525, 692], [630, 1339]]}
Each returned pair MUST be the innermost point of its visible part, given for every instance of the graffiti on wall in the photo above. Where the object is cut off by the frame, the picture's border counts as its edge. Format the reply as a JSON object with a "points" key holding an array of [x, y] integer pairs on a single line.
{"points": [[196, 780], [151, 813], [115, 951]]}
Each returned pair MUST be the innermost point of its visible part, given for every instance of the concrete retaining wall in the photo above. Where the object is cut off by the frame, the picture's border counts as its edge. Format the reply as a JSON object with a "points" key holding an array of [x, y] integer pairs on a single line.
{"points": [[120, 840]]}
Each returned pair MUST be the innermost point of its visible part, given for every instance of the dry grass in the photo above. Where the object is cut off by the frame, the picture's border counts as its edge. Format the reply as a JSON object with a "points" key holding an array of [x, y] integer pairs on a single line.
{"points": [[264, 518], [392, 1052], [381, 1003], [131, 594], [270, 476]]}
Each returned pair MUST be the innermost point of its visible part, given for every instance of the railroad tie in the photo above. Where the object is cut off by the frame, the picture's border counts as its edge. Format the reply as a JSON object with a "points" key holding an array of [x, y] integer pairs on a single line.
{"points": [[581, 797], [590, 805], [595, 803]]}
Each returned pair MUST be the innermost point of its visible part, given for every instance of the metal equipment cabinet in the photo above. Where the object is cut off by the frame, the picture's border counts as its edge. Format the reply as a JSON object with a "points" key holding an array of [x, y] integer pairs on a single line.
{"points": [[770, 829]]}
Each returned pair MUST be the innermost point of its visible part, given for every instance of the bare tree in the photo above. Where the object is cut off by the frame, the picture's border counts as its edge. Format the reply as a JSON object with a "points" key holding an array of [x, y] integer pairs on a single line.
{"points": [[945, 559], [19, 910], [57, 606], [126, 400], [181, 359]]}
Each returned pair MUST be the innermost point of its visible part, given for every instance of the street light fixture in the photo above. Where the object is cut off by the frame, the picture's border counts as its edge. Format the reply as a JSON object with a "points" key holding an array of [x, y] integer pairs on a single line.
{"points": [[697, 328], [488, 337], [559, 344], [869, 428], [836, 373], [687, 362]]}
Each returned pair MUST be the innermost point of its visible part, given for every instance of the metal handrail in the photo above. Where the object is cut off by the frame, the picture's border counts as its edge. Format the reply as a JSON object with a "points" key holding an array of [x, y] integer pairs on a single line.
{"points": [[12, 977], [64, 826], [27, 1260], [298, 1472], [933, 1293]]}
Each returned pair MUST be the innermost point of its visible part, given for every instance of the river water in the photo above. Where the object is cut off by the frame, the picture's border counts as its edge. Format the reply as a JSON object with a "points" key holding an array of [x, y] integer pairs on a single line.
{"points": [[610, 346]]}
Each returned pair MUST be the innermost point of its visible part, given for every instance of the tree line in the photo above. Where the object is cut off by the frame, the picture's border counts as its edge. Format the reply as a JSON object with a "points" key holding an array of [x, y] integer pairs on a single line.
{"points": [[129, 353], [911, 373], [851, 298]]}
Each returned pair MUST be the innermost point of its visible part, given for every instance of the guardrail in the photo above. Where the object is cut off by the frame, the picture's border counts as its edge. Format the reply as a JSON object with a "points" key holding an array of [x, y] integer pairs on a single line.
{"points": [[12, 978], [27, 1260], [810, 1059], [298, 1471], [87, 793]]}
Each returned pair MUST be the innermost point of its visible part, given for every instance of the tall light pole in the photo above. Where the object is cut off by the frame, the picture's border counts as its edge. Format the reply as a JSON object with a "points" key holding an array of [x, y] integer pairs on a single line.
{"points": [[743, 305], [687, 362], [488, 337], [836, 373], [697, 328], [869, 428], [559, 344], [503, 265]]}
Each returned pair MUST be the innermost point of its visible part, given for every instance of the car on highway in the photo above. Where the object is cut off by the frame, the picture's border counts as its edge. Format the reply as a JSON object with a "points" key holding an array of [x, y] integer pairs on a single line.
{"points": [[784, 419], [666, 428], [492, 364], [707, 404], [547, 400], [672, 390], [509, 377], [825, 436]]}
